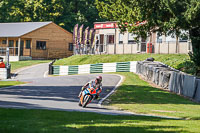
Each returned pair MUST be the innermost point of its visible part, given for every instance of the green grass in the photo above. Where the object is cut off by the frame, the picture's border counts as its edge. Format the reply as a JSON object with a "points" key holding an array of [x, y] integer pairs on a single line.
{"points": [[133, 95], [138, 96], [44, 121], [9, 83], [178, 61], [20, 64]]}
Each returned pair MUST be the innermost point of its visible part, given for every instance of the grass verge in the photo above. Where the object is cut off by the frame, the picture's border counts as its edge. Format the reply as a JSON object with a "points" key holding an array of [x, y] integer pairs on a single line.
{"points": [[9, 83], [44, 121], [20, 64], [139, 96]]}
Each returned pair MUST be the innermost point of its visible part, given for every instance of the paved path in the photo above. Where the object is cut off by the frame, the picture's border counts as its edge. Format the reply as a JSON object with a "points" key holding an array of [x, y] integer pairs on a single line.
{"points": [[33, 72], [54, 93]]}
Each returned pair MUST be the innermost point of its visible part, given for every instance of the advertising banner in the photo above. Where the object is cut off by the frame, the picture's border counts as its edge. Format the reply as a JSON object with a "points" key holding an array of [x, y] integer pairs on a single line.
{"points": [[80, 33], [90, 36], [93, 39], [86, 36], [75, 34]]}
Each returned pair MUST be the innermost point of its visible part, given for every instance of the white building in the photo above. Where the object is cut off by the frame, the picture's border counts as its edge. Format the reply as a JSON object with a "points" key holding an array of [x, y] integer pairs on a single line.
{"points": [[111, 41]]}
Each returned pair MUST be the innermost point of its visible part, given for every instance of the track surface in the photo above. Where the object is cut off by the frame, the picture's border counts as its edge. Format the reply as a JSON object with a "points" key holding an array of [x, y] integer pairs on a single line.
{"points": [[54, 93]]}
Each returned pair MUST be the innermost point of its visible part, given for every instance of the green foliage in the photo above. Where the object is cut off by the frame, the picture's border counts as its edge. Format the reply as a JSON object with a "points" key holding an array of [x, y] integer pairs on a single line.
{"points": [[65, 13], [164, 16], [160, 15]]}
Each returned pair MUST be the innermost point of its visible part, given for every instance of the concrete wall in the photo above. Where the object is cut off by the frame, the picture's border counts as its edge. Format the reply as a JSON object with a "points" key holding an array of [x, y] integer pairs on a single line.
{"points": [[171, 48], [3, 73], [11, 58], [17, 58]]}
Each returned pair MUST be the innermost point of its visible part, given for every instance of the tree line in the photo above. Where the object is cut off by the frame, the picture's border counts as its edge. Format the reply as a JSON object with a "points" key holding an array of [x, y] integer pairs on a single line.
{"points": [[65, 13], [167, 17]]}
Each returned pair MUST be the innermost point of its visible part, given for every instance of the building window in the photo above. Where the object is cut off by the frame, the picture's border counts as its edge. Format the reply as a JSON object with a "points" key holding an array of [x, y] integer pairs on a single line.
{"points": [[41, 45], [28, 44], [11, 43], [159, 38], [121, 38], [110, 39], [4, 41], [131, 38], [101, 38], [16, 43], [21, 44], [184, 37], [70, 46]]}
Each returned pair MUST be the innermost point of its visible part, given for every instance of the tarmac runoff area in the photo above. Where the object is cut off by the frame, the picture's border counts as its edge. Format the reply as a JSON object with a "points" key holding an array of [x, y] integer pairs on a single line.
{"points": [[59, 92]]}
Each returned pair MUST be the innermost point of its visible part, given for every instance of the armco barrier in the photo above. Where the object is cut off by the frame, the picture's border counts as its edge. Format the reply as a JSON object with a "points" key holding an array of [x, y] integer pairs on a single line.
{"points": [[170, 79]]}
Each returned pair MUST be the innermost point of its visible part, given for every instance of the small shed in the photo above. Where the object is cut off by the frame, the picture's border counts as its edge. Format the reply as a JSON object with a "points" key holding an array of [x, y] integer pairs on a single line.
{"points": [[35, 40]]}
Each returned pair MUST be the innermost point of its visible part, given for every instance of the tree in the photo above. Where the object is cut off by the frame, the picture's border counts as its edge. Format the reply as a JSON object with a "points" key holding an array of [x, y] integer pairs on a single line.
{"points": [[65, 13], [165, 16]]}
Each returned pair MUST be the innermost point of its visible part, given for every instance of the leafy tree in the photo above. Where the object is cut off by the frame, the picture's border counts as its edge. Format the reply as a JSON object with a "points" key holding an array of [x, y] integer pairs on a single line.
{"points": [[165, 16], [65, 13]]}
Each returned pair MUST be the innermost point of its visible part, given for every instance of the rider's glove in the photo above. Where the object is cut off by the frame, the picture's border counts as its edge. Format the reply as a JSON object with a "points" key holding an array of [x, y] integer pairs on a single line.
{"points": [[82, 88]]}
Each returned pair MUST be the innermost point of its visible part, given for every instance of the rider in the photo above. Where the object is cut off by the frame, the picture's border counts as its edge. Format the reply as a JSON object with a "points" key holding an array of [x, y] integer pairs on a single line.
{"points": [[95, 84]]}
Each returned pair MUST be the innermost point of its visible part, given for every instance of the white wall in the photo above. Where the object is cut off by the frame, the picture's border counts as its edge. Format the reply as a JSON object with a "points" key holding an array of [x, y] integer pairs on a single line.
{"points": [[11, 58]]}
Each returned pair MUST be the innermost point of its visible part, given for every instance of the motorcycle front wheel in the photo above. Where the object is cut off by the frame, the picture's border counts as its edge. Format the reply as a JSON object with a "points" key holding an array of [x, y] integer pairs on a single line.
{"points": [[86, 100]]}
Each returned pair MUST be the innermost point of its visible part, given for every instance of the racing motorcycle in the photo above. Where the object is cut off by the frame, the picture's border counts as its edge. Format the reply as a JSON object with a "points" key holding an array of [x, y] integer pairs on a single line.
{"points": [[87, 96]]}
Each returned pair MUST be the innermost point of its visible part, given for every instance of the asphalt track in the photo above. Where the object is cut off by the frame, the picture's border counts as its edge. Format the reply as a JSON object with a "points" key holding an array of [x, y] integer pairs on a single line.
{"points": [[54, 93]]}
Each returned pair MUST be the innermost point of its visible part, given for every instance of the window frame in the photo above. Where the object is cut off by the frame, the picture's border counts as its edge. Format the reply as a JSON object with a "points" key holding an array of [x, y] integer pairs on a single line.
{"points": [[4, 42], [71, 47], [42, 45], [9, 43], [28, 46], [158, 39], [121, 42], [130, 41], [112, 39]]}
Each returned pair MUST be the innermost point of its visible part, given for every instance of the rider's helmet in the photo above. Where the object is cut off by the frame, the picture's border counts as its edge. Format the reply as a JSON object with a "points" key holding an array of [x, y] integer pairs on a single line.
{"points": [[99, 79]]}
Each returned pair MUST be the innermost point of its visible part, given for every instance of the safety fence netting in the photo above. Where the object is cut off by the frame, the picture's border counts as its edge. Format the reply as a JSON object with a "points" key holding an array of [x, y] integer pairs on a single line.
{"points": [[170, 79]]}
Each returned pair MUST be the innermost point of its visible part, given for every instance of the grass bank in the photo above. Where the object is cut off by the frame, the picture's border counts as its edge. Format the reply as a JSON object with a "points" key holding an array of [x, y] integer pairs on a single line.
{"points": [[178, 61], [9, 83], [139, 96], [44, 121], [20, 64]]}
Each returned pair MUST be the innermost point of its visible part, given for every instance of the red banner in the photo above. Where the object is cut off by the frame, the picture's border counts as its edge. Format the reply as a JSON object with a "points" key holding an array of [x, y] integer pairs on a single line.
{"points": [[105, 26]]}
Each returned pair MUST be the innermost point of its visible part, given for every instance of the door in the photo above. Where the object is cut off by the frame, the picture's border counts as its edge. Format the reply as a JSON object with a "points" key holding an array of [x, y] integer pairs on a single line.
{"points": [[21, 48], [16, 48], [101, 43]]}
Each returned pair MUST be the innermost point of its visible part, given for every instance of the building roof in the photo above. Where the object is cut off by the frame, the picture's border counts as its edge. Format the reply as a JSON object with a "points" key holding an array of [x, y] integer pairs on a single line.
{"points": [[19, 29]]}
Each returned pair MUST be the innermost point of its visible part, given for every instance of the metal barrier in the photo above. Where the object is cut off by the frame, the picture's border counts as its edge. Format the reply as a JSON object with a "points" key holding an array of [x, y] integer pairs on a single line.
{"points": [[170, 79], [13, 51]]}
